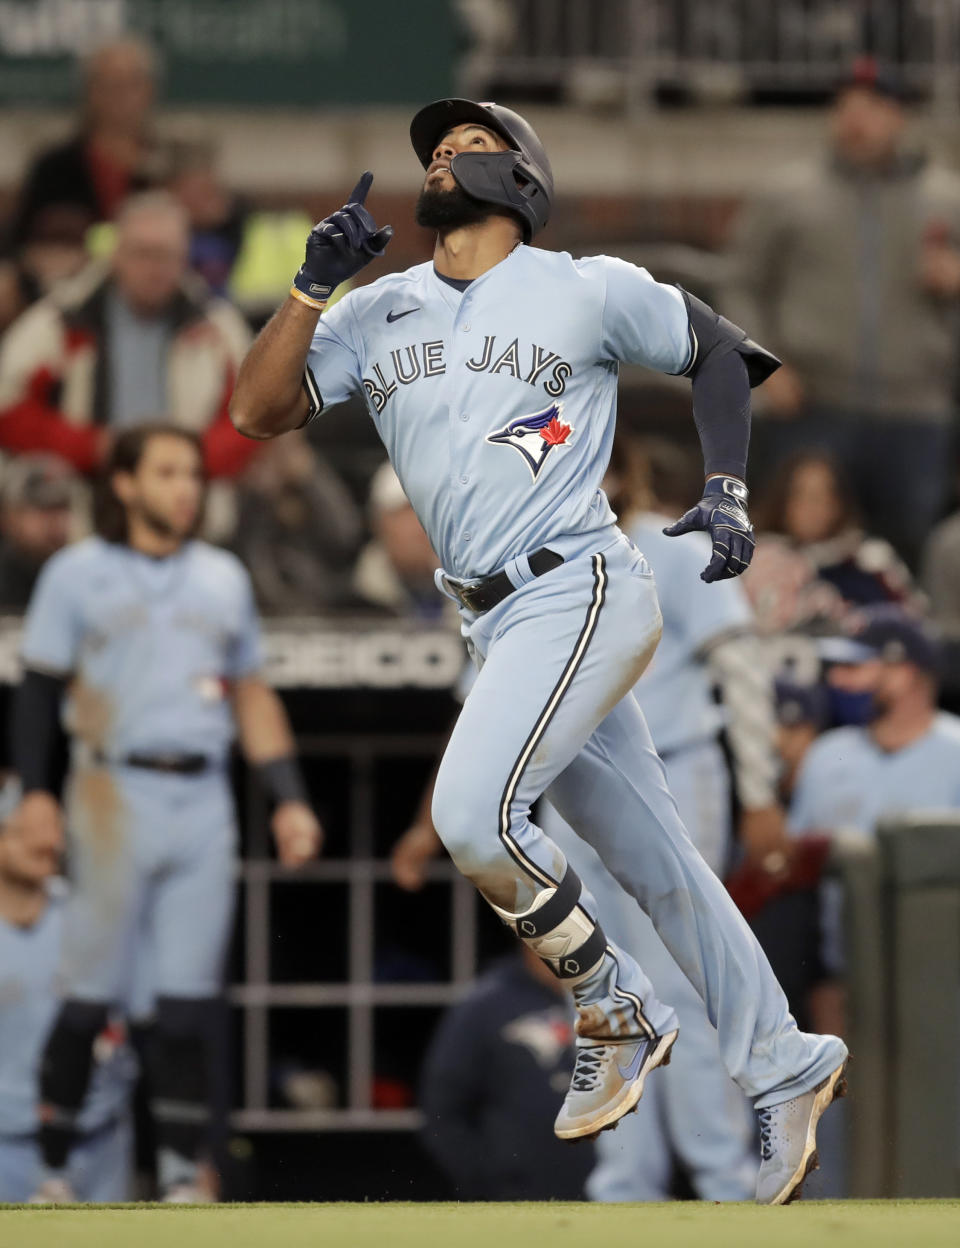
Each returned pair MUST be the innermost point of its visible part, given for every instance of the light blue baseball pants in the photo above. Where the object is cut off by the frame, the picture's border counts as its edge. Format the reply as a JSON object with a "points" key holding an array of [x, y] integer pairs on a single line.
{"points": [[692, 1111], [151, 860], [552, 711]]}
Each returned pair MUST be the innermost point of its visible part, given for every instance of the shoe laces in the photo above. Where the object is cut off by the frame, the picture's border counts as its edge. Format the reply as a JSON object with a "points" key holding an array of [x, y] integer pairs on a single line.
{"points": [[765, 1117], [589, 1067]]}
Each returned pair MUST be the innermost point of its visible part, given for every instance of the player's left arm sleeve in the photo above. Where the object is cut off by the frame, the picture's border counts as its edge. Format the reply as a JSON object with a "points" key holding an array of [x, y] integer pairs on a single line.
{"points": [[746, 688], [724, 366], [668, 329]]}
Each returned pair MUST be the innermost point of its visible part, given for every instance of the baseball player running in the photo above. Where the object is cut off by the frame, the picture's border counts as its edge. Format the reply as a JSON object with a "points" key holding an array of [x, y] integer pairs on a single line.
{"points": [[491, 376], [157, 637]]}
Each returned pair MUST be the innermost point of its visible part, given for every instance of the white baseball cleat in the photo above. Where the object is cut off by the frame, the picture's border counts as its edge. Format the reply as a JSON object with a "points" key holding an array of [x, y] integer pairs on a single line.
{"points": [[608, 1082], [53, 1191], [788, 1139]]}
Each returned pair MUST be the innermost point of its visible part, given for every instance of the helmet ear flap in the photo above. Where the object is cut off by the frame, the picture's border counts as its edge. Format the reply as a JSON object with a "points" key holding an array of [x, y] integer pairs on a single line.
{"points": [[489, 177]]}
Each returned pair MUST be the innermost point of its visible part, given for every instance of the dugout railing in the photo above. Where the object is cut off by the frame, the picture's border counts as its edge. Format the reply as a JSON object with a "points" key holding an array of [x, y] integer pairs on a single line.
{"points": [[370, 705]]}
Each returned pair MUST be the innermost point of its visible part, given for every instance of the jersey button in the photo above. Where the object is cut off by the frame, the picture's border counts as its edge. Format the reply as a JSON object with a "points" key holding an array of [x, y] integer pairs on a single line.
{"points": [[463, 479], [464, 415], [466, 537], [465, 328]]}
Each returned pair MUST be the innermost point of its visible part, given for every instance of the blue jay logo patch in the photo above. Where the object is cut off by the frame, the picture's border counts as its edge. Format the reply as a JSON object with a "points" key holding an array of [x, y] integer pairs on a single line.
{"points": [[534, 436]]}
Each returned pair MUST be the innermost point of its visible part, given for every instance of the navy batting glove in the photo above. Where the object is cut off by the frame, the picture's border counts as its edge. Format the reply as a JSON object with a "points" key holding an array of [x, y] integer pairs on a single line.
{"points": [[338, 247], [722, 512]]}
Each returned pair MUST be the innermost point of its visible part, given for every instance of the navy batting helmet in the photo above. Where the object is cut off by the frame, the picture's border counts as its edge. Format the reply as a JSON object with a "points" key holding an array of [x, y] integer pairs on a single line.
{"points": [[520, 180]]}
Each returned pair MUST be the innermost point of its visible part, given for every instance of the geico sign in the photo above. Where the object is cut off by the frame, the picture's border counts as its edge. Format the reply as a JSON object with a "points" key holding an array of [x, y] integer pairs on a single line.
{"points": [[386, 659]]}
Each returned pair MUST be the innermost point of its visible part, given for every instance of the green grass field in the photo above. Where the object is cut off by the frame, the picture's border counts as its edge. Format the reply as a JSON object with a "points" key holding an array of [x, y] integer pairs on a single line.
{"points": [[873, 1224]]}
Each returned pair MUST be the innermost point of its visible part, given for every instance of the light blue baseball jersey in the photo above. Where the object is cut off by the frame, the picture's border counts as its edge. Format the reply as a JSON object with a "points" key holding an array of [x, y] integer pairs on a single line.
{"points": [[847, 781], [153, 643], [675, 692], [497, 404], [29, 1000]]}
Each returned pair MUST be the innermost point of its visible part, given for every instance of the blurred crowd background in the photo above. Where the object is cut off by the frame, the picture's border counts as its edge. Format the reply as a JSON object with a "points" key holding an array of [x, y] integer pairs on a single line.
{"points": [[794, 162]]}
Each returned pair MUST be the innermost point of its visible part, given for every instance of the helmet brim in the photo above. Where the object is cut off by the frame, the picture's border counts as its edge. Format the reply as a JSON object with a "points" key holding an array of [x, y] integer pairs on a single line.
{"points": [[434, 120]]}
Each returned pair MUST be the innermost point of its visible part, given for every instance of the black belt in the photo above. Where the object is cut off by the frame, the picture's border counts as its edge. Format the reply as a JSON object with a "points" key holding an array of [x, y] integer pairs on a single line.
{"points": [[483, 594], [174, 764]]}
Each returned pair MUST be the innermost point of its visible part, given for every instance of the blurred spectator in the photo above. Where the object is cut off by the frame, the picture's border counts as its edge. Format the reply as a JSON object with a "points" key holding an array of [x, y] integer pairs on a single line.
{"points": [[940, 577], [395, 571], [52, 251], [897, 752], [298, 529], [814, 562], [31, 923], [125, 343], [802, 714], [851, 271], [111, 154], [217, 216], [242, 253], [492, 1083], [36, 497]]}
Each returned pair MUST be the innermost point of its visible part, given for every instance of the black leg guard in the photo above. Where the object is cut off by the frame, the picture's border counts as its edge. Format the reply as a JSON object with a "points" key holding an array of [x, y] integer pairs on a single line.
{"points": [[177, 1072], [65, 1070]]}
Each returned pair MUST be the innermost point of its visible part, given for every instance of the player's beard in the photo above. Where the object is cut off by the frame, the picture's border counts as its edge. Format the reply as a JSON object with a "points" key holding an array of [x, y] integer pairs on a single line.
{"points": [[449, 210], [162, 526]]}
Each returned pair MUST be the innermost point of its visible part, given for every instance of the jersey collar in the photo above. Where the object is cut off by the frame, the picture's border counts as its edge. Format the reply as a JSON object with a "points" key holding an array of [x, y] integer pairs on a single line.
{"points": [[452, 296]]}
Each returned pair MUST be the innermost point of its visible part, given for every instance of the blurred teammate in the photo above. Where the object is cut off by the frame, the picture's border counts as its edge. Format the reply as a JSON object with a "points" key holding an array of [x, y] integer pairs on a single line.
{"points": [[897, 752], [32, 908], [491, 376], [695, 1115], [154, 639], [493, 1079]]}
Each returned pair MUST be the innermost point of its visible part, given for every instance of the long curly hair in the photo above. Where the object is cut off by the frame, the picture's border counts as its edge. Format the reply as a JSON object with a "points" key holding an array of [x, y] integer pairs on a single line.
{"points": [[109, 514]]}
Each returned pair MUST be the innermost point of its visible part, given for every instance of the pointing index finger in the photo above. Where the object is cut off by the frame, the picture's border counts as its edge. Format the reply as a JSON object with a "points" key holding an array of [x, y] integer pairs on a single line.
{"points": [[359, 192]]}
